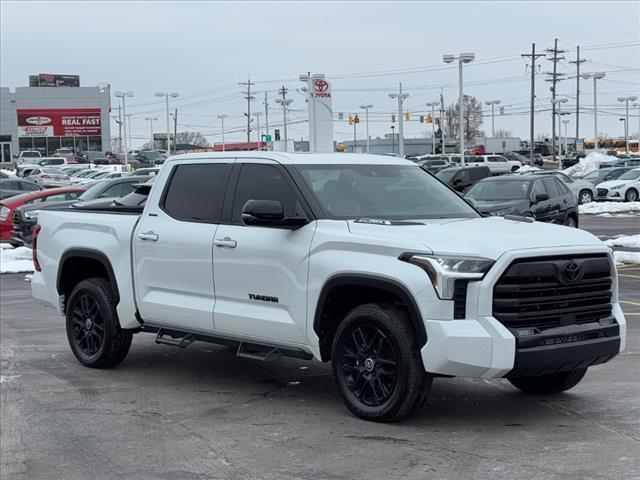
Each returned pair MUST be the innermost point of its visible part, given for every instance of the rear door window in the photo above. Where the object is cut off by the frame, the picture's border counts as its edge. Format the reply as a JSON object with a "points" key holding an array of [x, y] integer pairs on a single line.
{"points": [[551, 187], [195, 192]]}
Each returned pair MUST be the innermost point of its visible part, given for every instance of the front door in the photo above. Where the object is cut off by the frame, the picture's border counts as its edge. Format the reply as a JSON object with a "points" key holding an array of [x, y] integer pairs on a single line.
{"points": [[5, 152], [173, 246], [261, 272]]}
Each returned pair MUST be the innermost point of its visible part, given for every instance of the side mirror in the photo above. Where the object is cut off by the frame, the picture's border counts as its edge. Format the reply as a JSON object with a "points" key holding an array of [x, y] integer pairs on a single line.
{"points": [[457, 181], [542, 197], [269, 213]]}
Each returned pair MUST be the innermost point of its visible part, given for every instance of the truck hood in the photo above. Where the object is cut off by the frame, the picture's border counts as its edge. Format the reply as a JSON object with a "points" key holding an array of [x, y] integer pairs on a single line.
{"points": [[488, 237]]}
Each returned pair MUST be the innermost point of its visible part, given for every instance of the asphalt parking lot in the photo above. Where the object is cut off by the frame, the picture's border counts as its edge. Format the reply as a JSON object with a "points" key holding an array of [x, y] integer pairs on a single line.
{"points": [[202, 413]]}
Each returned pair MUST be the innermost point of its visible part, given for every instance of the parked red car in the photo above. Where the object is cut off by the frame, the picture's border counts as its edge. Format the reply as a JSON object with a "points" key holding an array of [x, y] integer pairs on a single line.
{"points": [[8, 205]]}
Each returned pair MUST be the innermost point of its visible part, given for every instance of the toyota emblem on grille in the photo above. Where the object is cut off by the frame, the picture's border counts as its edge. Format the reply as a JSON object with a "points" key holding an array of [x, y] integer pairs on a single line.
{"points": [[571, 271]]}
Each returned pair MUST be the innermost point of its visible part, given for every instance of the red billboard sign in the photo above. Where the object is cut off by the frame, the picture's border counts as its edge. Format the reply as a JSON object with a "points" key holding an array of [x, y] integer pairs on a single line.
{"points": [[59, 122]]}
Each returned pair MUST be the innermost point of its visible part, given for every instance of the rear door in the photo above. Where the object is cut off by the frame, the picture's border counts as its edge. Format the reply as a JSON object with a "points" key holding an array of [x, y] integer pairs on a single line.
{"points": [[558, 204], [173, 245], [261, 272]]}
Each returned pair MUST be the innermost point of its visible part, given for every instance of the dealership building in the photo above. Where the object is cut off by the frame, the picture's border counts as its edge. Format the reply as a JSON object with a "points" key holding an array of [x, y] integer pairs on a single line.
{"points": [[56, 114]]}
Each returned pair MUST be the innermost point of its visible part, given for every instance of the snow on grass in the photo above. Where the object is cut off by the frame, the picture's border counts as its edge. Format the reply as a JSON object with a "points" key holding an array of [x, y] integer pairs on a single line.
{"points": [[15, 260], [629, 241], [595, 208], [626, 257], [589, 163], [527, 168]]}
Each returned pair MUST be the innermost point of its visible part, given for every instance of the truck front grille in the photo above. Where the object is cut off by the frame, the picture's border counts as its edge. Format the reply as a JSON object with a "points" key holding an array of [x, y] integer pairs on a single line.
{"points": [[547, 292]]}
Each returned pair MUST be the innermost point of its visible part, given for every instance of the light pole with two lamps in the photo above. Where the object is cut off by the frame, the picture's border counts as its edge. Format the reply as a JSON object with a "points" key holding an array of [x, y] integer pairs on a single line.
{"points": [[123, 96], [166, 95], [462, 58], [626, 101], [596, 76]]}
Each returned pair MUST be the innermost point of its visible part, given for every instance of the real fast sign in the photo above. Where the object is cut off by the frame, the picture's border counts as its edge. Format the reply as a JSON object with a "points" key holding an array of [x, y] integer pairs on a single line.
{"points": [[59, 122]]}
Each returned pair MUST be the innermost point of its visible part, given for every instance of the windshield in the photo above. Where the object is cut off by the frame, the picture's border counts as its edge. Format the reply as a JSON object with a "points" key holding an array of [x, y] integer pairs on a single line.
{"points": [[383, 192], [631, 175], [595, 175], [30, 154], [446, 175], [499, 190]]}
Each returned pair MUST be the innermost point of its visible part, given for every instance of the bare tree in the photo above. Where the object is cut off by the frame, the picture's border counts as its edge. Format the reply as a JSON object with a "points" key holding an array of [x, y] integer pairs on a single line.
{"points": [[504, 133], [472, 118], [542, 137], [192, 138]]}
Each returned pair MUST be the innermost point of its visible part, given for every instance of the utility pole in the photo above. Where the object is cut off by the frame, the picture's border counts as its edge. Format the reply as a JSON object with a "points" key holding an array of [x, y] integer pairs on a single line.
{"points": [[577, 61], [555, 78], [257, 115], [533, 55], [433, 125], [248, 97], [119, 129], [266, 113], [393, 140], [442, 112], [285, 102], [175, 131], [366, 121]]}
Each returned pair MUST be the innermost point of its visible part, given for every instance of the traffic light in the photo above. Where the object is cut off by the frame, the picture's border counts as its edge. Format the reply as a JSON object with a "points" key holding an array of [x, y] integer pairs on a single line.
{"points": [[393, 118], [356, 119], [277, 134], [407, 116], [350, 119], [501, 110], [429, 118], [422, 119]]}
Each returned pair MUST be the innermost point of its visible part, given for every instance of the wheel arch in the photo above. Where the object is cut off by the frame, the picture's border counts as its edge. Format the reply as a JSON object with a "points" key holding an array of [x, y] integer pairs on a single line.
{"points": [[93, 263], [336, 298]]}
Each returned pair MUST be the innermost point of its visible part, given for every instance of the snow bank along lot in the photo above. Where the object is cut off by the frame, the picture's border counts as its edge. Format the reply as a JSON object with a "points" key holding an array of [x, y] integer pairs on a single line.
{"points": [[599, 208], [589, 163], [15, 260], [630, 241]]}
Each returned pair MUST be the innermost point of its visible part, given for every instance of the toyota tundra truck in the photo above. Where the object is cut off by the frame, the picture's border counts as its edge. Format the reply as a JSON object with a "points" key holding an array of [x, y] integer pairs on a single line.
{"points": [[364, 261]]}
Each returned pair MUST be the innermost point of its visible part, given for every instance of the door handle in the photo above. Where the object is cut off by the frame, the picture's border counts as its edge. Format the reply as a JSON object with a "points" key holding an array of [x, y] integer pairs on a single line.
{"points": [[225, 242], [149, 236]]}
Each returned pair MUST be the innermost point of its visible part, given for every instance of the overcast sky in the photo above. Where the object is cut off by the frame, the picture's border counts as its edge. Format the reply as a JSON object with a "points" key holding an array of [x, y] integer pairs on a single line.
{"points": [[202, 50]]}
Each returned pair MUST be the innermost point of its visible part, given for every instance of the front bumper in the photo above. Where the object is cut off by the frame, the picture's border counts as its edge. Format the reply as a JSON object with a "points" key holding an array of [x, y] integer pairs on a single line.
{"points": [[481, 346], [610, 195]]}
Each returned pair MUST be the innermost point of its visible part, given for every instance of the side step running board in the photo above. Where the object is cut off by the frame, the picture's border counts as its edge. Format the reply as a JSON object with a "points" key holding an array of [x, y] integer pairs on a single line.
{"points": [[254, 351]]}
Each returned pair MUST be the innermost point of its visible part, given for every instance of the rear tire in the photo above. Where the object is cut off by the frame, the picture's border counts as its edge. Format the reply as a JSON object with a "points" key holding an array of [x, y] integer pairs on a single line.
{"points": [[93, 328], [549, 384], [571, 222], [631, 195], [377, 365]]}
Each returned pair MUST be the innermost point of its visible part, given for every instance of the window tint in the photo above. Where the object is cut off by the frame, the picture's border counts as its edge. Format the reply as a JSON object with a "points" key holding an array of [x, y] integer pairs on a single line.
{"points": [[477, 173], [29, 187], [462, 175], [196, 191], [11, 185], [538, 189], [72, 195], [551, 187], [264, 182], [112, 191], [563, 188], [54, 198]]}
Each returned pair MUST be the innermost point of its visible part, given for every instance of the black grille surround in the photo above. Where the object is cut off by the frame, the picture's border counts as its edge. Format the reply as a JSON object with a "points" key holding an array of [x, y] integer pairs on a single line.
{"points": [[602, 192], [560, 312]]}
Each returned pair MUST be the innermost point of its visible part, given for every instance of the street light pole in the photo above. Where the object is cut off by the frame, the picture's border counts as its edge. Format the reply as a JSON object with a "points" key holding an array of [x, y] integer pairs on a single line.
{"points": [[222, 117], [150, 120], [393, 140], [462, 58], [166, 95], [123, 96], [626, 101], [559, 102], [366, 122], [566, 146], [433, 124], [596, 76], [285, 102], [401, 97], [492, 103]]}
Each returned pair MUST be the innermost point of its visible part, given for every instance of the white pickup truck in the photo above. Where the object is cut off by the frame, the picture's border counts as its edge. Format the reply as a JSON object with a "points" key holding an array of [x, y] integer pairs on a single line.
{"points": [[365, 261]]}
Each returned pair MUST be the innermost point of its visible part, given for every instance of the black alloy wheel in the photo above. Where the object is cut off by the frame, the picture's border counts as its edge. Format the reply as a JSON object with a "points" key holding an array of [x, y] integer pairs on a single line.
{"points": [[368, 362], [88, 325]]}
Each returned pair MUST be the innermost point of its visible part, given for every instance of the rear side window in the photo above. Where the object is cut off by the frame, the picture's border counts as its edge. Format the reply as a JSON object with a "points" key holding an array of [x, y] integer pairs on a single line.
{"points": [[551, 186], [195, 192], [477, 173]]}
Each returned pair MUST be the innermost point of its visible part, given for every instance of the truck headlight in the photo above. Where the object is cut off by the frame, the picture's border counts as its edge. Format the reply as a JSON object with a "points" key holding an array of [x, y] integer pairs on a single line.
{"points": [[444, 270], [32, 214]]}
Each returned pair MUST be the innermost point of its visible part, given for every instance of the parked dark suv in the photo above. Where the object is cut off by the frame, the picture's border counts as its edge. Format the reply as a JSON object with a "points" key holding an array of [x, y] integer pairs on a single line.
{"points": [[462, 179], [543, 198]]}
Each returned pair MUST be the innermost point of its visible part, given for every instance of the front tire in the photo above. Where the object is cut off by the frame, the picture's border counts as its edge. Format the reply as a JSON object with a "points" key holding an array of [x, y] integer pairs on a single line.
{"points": [[585, 197], [377, 365], [631, 195], [549, 384], [93, 328], [571, 222]]}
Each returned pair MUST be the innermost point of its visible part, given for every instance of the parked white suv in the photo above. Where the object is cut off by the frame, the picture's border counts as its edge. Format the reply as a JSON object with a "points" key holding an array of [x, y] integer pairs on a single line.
{"points": [[366, 261], [497, 164]]}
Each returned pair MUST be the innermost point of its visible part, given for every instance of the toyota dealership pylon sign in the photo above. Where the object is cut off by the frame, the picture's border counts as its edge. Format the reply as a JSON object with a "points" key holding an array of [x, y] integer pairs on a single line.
{"points": [[59, 122], [320, 113]]}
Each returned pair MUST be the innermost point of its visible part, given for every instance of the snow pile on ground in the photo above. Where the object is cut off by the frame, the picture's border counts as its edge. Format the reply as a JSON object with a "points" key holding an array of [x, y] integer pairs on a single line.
{"points": [[11, 173], [627, 241], [589, 163], [595, 208], [15, 260], [526, 169], [626, 257]]}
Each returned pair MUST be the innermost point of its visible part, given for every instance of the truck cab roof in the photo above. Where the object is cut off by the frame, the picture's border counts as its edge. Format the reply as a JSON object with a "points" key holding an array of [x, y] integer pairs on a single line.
{"points": [[287, 158]]}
